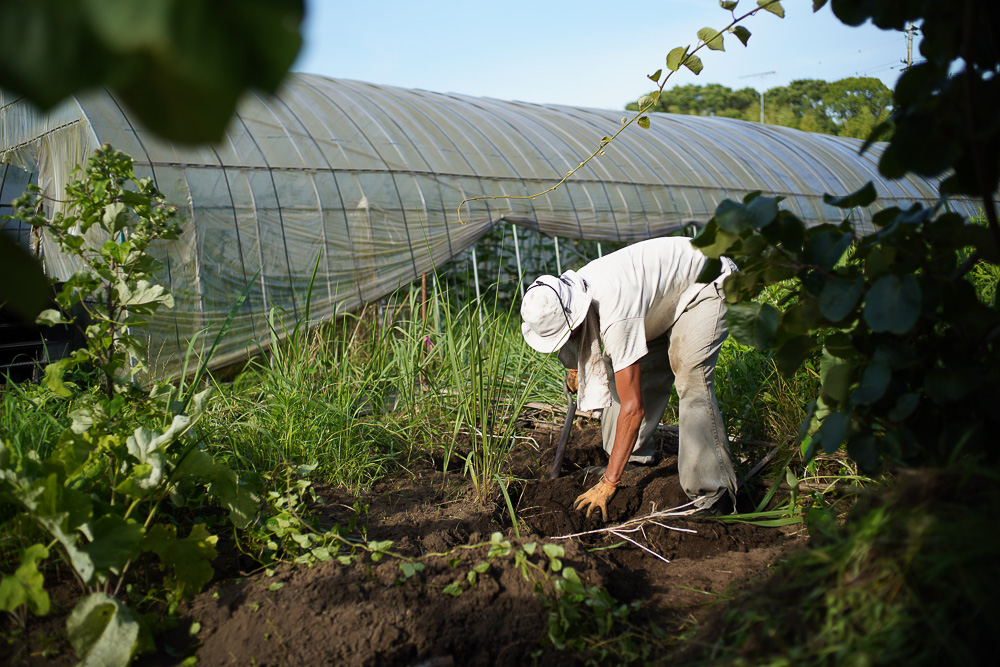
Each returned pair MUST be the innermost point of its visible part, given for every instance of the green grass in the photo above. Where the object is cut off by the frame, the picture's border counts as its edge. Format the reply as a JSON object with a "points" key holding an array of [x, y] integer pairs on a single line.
{"points": [[907, 579]]}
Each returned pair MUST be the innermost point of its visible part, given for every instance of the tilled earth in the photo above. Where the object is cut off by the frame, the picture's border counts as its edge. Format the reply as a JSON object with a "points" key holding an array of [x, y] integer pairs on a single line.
{"points": [[378, 613]]}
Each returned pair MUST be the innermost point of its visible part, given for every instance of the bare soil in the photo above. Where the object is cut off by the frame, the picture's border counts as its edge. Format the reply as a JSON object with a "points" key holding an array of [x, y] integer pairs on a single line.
{"points": [[371, 613]]}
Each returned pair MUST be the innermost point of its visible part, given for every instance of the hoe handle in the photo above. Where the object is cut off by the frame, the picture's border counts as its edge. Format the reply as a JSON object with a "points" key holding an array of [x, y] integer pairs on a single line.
{"points": [[567, 428]]}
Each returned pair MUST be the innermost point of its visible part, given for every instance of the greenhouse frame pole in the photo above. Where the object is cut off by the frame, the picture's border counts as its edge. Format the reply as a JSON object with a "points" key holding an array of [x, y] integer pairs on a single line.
{"points": [[517, 255], [558, 262]]}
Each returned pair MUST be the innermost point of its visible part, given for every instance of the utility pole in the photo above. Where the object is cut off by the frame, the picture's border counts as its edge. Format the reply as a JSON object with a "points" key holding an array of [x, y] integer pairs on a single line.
{"points": [[761, 92], [910, 31]]}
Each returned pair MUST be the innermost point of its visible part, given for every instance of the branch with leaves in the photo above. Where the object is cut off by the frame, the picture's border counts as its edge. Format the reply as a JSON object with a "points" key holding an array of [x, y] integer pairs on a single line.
{"points": [[681, 56]]}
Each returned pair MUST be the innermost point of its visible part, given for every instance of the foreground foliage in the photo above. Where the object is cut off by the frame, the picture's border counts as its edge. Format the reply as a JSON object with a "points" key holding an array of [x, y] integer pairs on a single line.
{"points": [[104, 488]]}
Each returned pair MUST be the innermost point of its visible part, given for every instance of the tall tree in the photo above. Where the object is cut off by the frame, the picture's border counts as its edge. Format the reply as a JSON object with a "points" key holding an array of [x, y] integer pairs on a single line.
{"points": [[706, 100], [857, 105]]}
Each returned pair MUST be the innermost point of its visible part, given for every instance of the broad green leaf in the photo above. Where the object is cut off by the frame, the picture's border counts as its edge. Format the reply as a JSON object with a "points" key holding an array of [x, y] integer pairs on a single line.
{"points": [[762, 211], [874, 381], [60, 510], [189, 558], [893, 304], [732, 216], [861, 197], [27, 585], [826, 246], [675, 58], [54, 377], [655, 76], [832, 432], [643, 122], [840, 345], [712, 39], [103, 631], [144, 293], [454, 589], [241, 501], [793, 352], [728, 5], [114, 541], [742, 34], [50, 318], [753, 324], [836, 378], [713, 241], [772, 6], [905, 406], [693, 63], [839, 297]]}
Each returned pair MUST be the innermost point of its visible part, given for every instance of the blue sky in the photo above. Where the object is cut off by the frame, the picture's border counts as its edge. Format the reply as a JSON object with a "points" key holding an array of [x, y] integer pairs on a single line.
{"points": [[582, 53]]}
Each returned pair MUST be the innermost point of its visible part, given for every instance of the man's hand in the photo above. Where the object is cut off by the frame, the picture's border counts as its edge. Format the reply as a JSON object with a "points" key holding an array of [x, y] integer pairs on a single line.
{"points": [[596, 498], [572, 381]]}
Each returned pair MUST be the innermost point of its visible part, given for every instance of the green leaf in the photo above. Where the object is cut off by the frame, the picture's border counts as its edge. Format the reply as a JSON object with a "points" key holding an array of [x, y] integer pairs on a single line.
{"points": [[742, 34], [693, 63], [773, 7], [862, 197], [905, 406], [874, 382], [792, 353], [839, 297], [712, 39], [833, 431], [50, 318], [240, 500], [454, 589], [103, 631], [655, 76], [676, 57], [836, 377], [189, 558], [826, 246], [54, 377], [753, 324], [643, 122], [840, 345], [732, 216], [27, 585], [713, 241], [893, 304], [728, 5], [554, 550], [762, 211], [114, 541]]}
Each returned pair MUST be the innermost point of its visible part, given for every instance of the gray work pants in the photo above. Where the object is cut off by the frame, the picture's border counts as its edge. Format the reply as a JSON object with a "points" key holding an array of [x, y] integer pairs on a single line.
{"points": [[685, 356]]}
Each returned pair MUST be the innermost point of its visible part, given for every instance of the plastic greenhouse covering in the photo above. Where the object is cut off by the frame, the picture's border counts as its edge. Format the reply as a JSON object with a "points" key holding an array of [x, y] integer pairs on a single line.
{"points": [[362, 183]]}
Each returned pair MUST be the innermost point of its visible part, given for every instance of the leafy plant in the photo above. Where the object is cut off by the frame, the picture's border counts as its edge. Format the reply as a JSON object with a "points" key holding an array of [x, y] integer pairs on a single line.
{"points": [[101, 489], [111, 218]]}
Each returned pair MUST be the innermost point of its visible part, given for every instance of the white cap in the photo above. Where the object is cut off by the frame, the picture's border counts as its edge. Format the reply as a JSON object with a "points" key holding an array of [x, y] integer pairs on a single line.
{"points": [[552, 307]]}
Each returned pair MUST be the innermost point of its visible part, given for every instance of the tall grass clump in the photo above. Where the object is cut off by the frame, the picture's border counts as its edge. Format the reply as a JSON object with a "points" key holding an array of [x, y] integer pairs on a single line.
{"points": [[491, 373], [311, 401]]}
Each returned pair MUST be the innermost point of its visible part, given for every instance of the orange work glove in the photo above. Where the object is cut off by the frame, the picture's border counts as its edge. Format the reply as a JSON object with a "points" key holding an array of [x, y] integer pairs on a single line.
{"points": [[596, 498], [572, 382]]}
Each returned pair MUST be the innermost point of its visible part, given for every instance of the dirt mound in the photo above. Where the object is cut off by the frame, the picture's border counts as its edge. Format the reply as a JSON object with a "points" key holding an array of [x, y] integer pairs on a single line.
{"points": [[452, 596], [372, 613]]}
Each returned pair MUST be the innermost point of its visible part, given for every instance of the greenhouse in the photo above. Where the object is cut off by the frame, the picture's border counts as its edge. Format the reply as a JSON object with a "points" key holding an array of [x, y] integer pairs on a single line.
{"points": [[357, 189]]}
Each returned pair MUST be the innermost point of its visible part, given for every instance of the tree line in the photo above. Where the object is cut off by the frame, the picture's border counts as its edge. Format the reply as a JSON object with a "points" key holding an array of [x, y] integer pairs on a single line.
{"points": [[850, 107]]}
